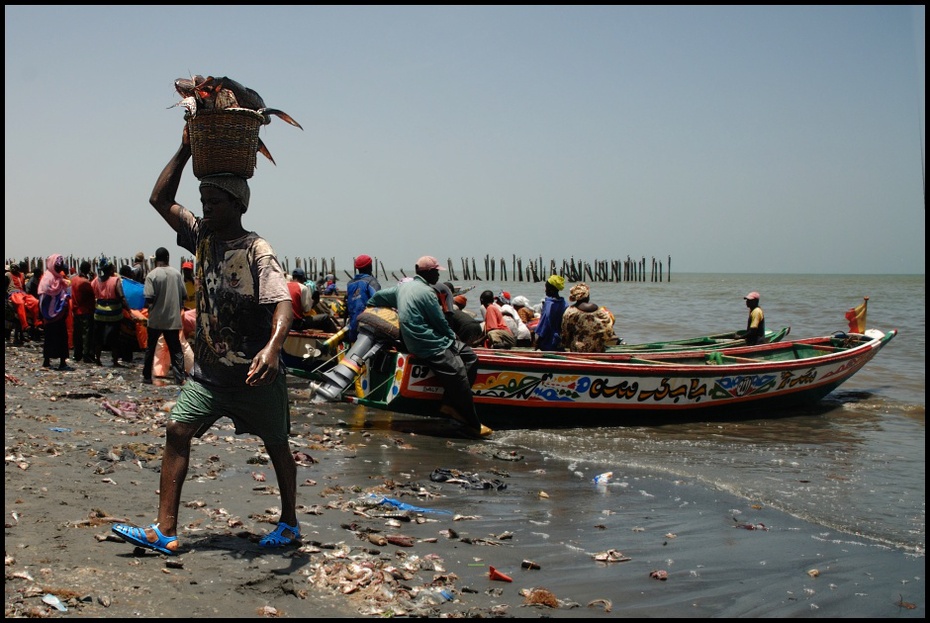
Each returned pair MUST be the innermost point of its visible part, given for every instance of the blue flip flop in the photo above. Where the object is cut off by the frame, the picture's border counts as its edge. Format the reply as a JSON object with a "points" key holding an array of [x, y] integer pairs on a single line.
{"points": [[276, 538], [136, 536]]}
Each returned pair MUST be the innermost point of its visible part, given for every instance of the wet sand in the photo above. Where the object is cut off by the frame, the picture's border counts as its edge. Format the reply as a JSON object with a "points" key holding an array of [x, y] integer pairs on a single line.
{"points": [[83, 450]]}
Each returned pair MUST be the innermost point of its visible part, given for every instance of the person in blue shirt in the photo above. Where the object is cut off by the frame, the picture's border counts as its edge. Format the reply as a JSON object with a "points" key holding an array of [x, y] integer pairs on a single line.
{"points": [[329, 287], [361, 288], [549, 327], [426, 334]]}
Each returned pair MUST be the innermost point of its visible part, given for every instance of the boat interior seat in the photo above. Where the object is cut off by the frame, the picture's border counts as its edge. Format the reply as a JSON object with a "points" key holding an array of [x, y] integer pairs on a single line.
{"points": [[717, 358], [652, 361], [802, 351]]}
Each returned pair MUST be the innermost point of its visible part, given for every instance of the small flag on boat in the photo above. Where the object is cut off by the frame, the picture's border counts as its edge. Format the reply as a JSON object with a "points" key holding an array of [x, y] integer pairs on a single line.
{"points": [[856, 316]]}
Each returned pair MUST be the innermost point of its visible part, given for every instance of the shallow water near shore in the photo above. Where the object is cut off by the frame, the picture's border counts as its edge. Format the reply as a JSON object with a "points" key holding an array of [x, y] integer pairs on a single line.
{"points": [[726, 553]]}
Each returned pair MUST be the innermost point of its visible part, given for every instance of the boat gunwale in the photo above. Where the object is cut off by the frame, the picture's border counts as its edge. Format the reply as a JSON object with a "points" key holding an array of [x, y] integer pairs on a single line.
{"points": [[675, 346], [633, 367]]}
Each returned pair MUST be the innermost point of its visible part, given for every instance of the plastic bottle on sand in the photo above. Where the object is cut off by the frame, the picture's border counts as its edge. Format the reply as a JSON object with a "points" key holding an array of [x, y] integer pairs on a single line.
{"points": [[603, 479]]}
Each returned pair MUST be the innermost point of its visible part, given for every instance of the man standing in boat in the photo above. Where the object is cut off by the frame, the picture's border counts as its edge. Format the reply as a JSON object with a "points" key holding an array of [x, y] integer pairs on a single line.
{"points": [[755, 326]]}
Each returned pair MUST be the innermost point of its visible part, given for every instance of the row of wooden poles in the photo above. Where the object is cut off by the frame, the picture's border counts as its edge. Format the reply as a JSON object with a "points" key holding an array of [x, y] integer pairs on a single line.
{"points": [[533, 271], [72, 261], [495, 269]]}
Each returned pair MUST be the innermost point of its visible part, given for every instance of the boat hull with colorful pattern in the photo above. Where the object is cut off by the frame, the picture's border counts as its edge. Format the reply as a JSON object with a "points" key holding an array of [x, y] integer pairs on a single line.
{"points": [[518, 390]]}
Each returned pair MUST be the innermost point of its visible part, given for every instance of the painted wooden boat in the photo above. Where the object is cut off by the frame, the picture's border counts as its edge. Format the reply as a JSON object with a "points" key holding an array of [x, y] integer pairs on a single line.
{"points": [[522, 391]]}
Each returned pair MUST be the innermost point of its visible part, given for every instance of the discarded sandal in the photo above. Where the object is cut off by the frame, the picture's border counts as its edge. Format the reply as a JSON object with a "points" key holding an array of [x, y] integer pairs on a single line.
{"points": [[136, 536], [276, 538]]}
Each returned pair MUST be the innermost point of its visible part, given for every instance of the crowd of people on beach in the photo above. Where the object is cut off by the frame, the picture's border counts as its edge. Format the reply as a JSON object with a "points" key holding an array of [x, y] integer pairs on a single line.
{"points": [[502, 321], [97, 319], [78, 315]]}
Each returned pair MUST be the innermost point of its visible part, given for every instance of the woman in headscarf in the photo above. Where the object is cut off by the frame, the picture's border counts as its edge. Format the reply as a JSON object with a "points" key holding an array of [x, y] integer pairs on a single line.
{"points": [[54, 304], [522, 334], [522, 305], [586, 328]]}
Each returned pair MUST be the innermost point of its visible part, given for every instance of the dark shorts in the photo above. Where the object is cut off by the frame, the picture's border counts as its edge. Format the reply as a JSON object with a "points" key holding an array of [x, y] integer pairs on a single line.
{"points": [[263, 411]]}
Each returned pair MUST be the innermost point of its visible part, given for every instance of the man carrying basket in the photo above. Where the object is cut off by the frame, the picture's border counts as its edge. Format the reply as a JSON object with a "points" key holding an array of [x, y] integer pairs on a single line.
{"points": [[243, 317]]}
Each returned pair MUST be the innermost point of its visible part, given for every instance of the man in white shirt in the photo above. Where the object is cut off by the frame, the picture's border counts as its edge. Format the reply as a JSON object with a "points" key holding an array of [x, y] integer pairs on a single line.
{"points": [[164, 294]]}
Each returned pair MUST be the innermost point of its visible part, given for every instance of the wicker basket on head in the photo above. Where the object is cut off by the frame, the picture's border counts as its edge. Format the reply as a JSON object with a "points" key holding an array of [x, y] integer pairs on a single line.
{"points": [[224, 141]]}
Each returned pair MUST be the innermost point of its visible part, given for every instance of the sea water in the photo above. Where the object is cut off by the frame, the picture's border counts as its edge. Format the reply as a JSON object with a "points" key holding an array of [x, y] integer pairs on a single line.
{"points": [[853, 463]]}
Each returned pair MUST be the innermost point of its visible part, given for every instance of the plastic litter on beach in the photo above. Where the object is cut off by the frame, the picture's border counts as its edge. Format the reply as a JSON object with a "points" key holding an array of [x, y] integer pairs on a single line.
{"points": [[605, 603], [750, 525], [494, 574], [53, 601], [611, 555], [407, 507], [603, 479], [443, 594]]}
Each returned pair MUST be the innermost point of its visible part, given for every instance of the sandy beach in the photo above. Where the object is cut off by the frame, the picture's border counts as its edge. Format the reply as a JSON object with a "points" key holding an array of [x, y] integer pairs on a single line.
{"points": [[400, 517]]}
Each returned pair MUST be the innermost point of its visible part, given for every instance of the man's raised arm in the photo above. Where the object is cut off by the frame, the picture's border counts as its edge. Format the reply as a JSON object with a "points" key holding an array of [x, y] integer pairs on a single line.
{"points": [[166, 188]]}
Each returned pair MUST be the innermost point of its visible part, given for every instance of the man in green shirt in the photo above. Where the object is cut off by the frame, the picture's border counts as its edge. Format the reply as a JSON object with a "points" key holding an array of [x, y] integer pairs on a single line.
{"points": [[427, 334]]}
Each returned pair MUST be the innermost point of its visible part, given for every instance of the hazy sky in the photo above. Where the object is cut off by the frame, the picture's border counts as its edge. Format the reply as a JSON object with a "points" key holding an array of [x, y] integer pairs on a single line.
{"points": [[746, 139]]}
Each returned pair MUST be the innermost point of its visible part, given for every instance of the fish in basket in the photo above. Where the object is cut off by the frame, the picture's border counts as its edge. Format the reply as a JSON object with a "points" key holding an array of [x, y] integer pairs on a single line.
{"points": [[223, 119]]}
